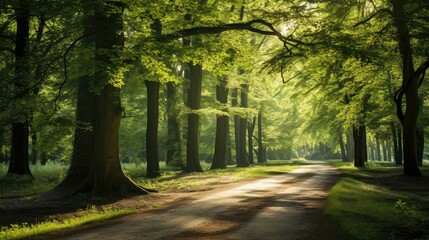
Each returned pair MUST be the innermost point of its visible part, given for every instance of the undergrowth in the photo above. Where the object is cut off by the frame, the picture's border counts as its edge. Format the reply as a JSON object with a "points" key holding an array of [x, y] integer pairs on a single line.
{"points": [[377, 202]]}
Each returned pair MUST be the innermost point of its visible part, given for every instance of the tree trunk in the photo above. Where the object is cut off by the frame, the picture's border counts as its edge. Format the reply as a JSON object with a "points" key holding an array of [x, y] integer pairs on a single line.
{"points": [[409, 119], [420, 137], [342, 147], [105, 175], [194, 101], [152, 170], [34, 151], [243, 161], [19, 162], [219, 161], [384, 146], [396, 156], [234, 103], [83, 135], [378, 148], [359, 137], [250, 130], [350, 146], [400, 145], [228, 154], [174, 141], [262, 157], [389, 151]]}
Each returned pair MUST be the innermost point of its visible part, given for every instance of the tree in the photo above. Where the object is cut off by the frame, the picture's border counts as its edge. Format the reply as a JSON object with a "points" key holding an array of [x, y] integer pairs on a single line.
{"points": [[105, 176], [243, 160], [174, 140], [152, 129], [18, 163], [222, 125]]}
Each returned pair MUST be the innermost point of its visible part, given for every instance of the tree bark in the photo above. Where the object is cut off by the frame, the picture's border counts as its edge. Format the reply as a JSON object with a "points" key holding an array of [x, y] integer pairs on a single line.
{"points": [[409, 119], [243, 161], [152, 159], [342, 147], [400, 147], [228, 154], [359, 137], [219, 161], [261, 150], [377, 140], [396, 156], [174, 140], [194, 101], [234, 103], [350, 145], [384, 147], [420, 141], [19, 162], [250, 130]]}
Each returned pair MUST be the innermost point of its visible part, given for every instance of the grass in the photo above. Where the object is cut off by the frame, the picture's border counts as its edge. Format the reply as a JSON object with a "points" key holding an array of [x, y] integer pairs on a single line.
{"points": [[24, 231], [377, 202], [171, 180], [45, 178]]}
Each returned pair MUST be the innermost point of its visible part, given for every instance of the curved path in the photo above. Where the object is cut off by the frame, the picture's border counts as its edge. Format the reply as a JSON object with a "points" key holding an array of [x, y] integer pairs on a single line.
{"points": [[285, 206]]}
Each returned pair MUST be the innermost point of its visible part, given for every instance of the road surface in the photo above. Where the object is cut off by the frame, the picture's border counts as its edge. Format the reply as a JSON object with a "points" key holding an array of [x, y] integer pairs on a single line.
{"points": [[284, 206]]}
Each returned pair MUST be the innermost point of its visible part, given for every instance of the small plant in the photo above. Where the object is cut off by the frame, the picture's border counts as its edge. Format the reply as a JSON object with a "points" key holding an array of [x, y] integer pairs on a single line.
{"points": [[410, 222]]}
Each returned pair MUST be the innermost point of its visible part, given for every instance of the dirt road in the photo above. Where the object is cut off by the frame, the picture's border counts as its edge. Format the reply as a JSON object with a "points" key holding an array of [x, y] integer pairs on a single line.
{"points": [[284, 206]]}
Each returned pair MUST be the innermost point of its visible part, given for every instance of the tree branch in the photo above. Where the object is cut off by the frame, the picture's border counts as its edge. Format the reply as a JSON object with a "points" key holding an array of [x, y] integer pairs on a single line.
{"points": [[399, 95], [249, 26], [383, 10]]}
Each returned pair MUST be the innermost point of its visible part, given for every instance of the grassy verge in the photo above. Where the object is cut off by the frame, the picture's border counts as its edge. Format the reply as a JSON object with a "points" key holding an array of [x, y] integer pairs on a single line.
{"points": [[379, 203], [24, 231]]}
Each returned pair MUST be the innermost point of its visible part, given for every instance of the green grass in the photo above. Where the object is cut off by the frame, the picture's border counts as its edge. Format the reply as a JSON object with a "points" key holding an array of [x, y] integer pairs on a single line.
{"points": [[178, 181], [379, 203], [23, 231], [45, 178]]}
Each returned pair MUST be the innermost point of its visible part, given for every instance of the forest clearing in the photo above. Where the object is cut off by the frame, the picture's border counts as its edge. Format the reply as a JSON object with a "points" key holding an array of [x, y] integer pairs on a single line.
{"points": [[119, 112]]}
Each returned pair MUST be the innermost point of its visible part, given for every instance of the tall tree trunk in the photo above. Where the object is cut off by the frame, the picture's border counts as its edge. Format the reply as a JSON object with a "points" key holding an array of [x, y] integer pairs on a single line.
{"points": [[350, 145], [174, 140], [420, 141], [384, 146], [243, 161], [234, 103], [105, 175], [34, 151], [400, 147], [18, 163], [152, 170], [83, 134], [359, 137], [219, 161], [409, 119], [194, 101], [250, 130], [396, 156], [228, 154], [152, 87], [342, 147], [389, 151], [262, 157], [377, 140]]}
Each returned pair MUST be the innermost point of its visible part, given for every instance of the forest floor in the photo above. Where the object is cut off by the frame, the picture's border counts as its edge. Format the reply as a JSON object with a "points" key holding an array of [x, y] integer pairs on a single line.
{"points": [[283, 206]]}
